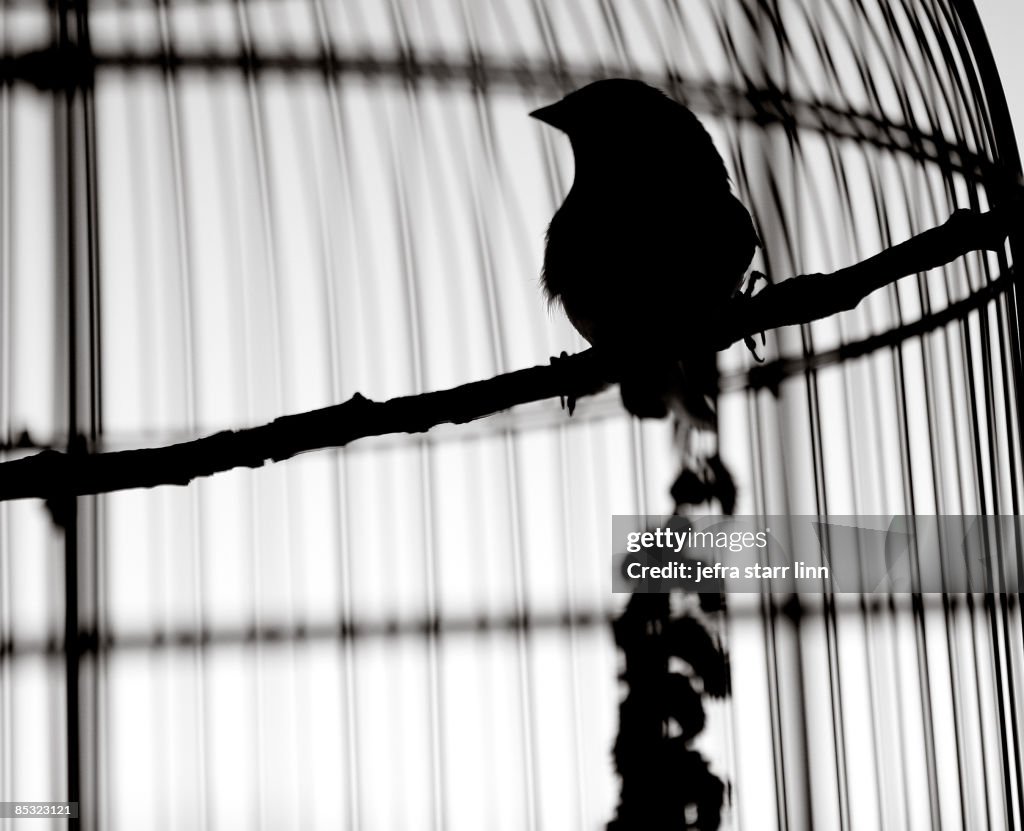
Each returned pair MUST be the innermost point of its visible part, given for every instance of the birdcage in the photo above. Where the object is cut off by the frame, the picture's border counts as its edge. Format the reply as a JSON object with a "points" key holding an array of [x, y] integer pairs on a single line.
{"points": [[213, 214]]}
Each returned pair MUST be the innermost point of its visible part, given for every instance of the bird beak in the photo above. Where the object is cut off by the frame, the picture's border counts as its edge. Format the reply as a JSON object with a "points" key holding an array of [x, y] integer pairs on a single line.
{"points": [[552, 114]]}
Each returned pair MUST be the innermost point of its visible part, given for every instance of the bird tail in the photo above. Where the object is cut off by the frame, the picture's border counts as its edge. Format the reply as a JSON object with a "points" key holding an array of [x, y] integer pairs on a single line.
{"points": [[703, 477], [688, 391]]}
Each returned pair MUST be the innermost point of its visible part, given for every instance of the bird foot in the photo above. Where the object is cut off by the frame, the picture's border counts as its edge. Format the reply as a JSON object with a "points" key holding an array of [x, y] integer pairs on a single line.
{"points": [[752, 280], [748, 292], [752, 346], [564, 400]]}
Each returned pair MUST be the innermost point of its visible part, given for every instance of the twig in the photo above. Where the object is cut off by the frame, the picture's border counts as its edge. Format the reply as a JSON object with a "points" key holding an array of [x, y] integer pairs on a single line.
{"points": [[51, 475]]}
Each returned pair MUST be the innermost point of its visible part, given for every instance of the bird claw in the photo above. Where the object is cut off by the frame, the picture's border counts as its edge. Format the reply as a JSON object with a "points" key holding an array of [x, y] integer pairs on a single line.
{"points": [[564, 401], [752, 280], [748, 292], [749, 343]]}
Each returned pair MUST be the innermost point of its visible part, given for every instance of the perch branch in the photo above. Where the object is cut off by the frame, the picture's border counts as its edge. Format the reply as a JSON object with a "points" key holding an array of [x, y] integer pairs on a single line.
{"points": [[812, 297], [52, 475]]}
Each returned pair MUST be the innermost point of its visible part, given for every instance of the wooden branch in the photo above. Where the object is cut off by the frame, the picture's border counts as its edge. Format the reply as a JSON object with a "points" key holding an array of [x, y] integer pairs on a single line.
{"points": [[812, 297], [52, 475]]}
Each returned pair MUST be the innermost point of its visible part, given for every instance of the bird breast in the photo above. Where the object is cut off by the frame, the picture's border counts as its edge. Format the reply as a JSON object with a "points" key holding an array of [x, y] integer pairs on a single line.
{"points": [[644, 256]]}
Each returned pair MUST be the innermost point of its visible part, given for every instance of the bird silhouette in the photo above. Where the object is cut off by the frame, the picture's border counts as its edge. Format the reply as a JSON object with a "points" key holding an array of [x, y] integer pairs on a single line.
{"points": [[648, 243]]}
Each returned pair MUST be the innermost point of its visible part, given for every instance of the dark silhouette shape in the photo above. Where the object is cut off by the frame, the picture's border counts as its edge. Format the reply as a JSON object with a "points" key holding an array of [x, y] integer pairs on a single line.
{"points": [[711, 481], [648, 242], [665, 783], [687, 638], [59, 67]]}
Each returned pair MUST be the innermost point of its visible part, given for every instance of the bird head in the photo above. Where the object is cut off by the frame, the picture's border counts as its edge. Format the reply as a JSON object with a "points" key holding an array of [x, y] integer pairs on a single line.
{"points": [[615, 105], [618, 118]]}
